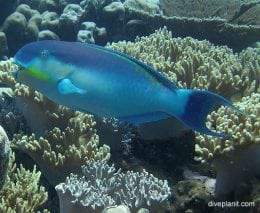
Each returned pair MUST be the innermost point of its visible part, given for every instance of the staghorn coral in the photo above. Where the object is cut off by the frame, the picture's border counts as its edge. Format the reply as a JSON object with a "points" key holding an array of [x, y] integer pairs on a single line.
{"points": [[194, 64], [61, 139], [21, 192], [100, 186]]}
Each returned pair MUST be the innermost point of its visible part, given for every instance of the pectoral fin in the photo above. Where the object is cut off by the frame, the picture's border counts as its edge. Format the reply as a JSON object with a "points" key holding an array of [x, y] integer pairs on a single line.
{"points": [[66, 87]]}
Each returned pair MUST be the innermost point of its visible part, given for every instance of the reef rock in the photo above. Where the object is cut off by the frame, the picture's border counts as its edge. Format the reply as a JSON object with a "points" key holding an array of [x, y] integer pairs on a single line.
{"points": [[4, 156]]}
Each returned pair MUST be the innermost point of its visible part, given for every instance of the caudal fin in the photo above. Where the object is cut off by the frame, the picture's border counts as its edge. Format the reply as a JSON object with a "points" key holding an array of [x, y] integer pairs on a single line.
{"points": [[198, 105]]}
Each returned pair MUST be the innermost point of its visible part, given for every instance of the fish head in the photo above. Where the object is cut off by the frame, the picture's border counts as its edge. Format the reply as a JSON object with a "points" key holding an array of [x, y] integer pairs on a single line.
{"points": [[39, 66]]}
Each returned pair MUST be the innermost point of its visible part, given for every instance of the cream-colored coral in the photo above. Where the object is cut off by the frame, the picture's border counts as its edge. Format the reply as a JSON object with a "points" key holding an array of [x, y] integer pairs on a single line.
{"points": [[192, 63], [63, 139], [6, 78], [250, 61], [21, 192], [243, 131], [60, 152]]}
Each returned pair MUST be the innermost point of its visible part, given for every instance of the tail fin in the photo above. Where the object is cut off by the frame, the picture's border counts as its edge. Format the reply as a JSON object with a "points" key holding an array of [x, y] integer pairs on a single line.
{"points": [[199, 104]]}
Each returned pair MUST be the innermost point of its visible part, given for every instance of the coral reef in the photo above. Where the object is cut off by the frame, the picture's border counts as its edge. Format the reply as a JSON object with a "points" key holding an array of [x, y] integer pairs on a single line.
{"points": [[195, 64], [60, 140], [10, 117], [60, 152], [237, 157], [219, 22], [199, 64], [4, 156], [225, 9], [100, 186], [94, 8], [115, 10], [21, 27], [21, 192], [50, 21], [216, 30], [248, 13], [243, 130], [69, 21], [47, 35], [89, 33], [146, 6]]}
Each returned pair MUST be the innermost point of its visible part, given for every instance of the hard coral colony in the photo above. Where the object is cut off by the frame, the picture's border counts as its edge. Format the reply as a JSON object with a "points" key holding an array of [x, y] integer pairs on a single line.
{"points": [[68, 146]]}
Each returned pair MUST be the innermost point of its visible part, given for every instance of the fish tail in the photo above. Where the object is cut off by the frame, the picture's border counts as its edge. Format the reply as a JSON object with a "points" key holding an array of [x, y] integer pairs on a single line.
{"points": [[198, 104]]}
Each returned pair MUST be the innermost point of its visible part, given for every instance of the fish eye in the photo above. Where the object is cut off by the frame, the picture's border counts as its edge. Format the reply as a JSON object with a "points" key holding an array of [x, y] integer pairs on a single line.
{"points": [[44, 53]]}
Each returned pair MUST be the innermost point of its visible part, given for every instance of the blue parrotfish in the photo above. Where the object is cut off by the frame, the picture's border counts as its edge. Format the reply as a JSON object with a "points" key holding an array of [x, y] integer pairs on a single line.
{"points": [[100, 81]]}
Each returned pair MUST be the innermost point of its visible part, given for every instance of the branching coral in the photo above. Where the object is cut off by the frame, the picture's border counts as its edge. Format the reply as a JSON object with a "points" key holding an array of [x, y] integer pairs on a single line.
{"points": [[235, 158], [243, 130], [60, 152], [6, 67], [192, 63], [61, 140], [100, 186], [10, 117], [250, 61], [21, 192]]}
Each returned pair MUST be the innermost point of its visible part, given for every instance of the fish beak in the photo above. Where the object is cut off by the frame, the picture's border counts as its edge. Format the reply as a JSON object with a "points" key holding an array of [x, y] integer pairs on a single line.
{"points": [[16, 72]]}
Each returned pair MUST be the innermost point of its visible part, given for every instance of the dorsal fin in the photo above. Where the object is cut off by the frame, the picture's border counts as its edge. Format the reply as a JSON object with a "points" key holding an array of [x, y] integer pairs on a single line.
{"points": [[155, 73]]}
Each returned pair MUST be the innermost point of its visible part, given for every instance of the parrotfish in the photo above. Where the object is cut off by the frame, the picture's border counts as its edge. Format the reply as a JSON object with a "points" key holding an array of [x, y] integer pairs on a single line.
{"points": [[93, 79]]}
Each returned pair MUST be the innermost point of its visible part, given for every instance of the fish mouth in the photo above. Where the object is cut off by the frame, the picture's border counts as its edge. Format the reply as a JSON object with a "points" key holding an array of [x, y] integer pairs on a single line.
{"points": [[20, 68], [19, 65]]}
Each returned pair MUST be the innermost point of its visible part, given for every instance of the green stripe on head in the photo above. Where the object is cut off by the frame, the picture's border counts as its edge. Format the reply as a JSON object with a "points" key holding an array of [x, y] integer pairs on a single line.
{"points": [[37, 74]]}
